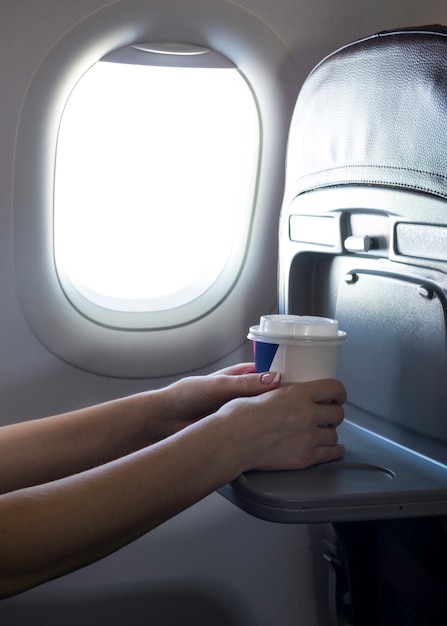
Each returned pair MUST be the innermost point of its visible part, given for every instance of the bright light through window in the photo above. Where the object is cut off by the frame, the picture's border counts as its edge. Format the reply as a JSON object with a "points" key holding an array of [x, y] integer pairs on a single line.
{"points": [[155, 166]]}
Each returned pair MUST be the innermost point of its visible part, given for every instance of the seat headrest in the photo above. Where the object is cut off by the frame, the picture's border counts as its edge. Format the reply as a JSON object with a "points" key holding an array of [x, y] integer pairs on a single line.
{"points": [[374, 112]]}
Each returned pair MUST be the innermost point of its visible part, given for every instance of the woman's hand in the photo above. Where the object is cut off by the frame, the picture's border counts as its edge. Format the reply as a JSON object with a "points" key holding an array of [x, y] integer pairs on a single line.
{"points": [[90, 485], [191, 399], [292, 427]]}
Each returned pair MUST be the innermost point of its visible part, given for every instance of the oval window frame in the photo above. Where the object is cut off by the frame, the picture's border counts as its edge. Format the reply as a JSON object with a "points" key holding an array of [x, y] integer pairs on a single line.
{"points": [[275, 77]]}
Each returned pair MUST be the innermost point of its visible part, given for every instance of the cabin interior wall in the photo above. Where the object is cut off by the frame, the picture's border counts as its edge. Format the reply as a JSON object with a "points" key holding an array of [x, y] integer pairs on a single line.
{"points": [[262, 568]]}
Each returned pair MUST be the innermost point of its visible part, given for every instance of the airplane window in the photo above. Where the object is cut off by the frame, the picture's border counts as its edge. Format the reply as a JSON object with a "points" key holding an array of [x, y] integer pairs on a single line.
{"points": [[148, 182], [154, 167]]}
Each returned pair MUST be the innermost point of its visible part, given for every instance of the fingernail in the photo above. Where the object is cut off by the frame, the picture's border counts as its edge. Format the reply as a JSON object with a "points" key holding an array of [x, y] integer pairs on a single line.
{"points": [[270, 377]]}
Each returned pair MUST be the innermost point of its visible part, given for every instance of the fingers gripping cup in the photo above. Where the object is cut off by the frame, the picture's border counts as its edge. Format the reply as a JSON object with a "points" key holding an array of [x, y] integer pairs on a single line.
{"points": [[300, 347]]}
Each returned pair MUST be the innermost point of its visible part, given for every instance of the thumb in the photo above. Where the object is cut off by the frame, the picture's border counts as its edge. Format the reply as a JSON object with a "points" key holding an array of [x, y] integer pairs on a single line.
{"points": [[270, 378], [254, 384]]}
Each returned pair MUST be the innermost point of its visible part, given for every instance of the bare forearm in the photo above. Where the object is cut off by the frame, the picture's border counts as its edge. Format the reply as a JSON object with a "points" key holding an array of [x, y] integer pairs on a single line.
{"points": [[53, 529], [43, 450], [39, 451]]}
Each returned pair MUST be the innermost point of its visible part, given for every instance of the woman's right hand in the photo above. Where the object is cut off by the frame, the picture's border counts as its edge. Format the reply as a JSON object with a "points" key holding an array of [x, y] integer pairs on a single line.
{"points": [[291, 427]]}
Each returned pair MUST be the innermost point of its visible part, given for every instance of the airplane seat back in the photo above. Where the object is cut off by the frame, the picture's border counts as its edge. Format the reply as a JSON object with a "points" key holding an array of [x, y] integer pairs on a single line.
{"points": [[374, 113], [363, 229], [363, 238]]}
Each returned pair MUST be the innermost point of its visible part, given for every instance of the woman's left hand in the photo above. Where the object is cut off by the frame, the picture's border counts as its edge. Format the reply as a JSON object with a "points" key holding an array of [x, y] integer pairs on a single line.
{"points": [[190, 399]]}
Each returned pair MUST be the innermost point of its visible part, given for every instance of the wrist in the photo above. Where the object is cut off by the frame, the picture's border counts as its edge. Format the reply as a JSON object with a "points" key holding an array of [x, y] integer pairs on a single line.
{"points": [[151, 409], [231, 438]]}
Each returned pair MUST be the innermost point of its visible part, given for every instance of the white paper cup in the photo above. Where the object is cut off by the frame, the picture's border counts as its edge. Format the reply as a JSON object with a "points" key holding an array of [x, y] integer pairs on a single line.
{"points": [[300, 347]]}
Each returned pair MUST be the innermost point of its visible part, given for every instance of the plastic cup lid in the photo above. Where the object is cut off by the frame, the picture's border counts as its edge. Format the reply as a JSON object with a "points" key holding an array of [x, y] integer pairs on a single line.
{"points": [[296, 327]]}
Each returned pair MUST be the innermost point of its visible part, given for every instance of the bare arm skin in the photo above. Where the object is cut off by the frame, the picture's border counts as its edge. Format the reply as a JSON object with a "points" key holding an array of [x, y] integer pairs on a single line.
{"points": [[42, 450], [233, 423]]}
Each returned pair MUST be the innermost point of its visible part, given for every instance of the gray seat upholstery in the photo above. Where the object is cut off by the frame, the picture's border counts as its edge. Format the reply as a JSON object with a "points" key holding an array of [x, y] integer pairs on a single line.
{"points": [[374, 112], [364, 221]]}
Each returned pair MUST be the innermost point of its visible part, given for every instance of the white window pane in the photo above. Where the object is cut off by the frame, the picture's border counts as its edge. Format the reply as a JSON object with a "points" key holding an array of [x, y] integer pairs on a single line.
{"points": [[154, 168]]}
